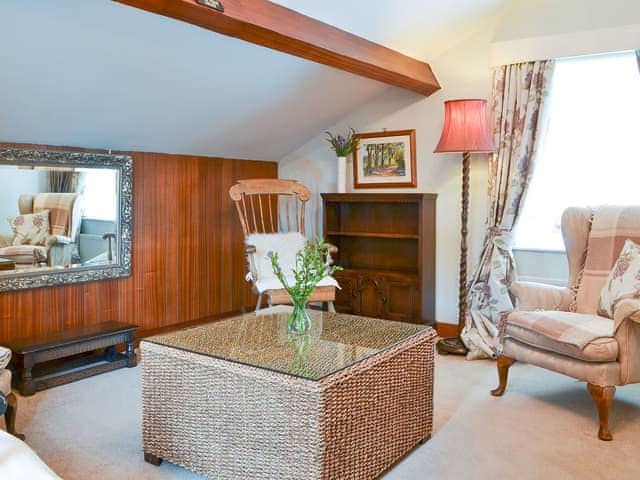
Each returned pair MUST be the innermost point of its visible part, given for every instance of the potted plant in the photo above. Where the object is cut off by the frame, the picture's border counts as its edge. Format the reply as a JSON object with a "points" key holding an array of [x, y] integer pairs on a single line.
{"points": [[342, 146], [312, 265]]}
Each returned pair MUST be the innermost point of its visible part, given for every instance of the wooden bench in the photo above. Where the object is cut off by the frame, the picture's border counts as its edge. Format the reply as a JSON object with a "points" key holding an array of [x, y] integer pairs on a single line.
{"points": [[46, 361]]}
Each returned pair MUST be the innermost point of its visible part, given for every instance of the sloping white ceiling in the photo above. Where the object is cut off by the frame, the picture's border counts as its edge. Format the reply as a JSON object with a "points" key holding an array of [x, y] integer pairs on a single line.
{"points": [[100, 74]]}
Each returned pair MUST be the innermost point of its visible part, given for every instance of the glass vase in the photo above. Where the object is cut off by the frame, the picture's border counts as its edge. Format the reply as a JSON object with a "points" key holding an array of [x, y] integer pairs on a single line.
{"points": [[299, 320]]}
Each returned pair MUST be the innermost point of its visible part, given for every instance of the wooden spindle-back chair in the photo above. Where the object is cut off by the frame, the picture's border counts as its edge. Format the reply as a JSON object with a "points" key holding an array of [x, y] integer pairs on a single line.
{"points": [[272, 206]]}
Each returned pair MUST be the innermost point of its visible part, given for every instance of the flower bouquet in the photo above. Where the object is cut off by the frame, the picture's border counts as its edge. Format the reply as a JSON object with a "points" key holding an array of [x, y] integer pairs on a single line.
{"points": [[312, 265]]}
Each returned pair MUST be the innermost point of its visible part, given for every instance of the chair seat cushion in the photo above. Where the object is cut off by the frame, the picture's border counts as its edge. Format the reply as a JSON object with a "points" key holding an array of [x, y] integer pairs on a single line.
{"points": [[23, 254], [581, 336], [272, 283]]}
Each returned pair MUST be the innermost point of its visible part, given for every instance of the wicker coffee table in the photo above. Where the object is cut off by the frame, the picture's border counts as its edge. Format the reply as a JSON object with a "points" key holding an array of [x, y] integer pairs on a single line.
{"points": [[240, 398]]}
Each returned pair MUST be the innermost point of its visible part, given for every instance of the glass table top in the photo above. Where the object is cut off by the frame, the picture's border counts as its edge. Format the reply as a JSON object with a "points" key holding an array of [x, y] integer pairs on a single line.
{"points": [[336, 341]]}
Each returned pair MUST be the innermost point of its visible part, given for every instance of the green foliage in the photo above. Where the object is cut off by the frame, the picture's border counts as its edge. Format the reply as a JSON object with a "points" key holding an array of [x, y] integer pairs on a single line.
{"points": [[343, 146], [312, 265]]}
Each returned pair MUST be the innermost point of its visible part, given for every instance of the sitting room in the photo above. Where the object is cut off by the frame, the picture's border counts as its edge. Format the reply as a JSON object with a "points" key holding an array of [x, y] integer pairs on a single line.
{"points": [[319, 240]]}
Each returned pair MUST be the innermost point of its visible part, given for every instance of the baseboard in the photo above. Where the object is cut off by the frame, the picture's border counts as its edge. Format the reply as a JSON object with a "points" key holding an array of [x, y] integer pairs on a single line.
{"points": [[446, 329]]}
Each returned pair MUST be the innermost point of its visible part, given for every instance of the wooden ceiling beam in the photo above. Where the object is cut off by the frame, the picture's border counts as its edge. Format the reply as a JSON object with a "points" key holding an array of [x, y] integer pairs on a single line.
{"points": [[273, 26]]}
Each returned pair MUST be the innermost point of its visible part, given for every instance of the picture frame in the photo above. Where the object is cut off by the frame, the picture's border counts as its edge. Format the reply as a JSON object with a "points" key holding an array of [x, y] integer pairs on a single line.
{"points": [[385, 159]]}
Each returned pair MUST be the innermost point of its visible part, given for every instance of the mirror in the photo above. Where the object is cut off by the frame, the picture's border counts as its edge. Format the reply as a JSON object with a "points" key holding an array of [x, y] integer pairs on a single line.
{"points": [[65, 217]]}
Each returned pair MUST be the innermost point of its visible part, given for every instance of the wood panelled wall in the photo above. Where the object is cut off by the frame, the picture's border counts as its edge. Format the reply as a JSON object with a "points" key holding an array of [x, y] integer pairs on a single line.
{"points": [[187, 256]]}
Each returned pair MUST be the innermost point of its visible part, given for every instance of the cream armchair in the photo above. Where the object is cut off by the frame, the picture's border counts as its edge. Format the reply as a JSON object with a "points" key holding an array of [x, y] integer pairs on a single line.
{"points": [[64, 217], [560, 329], [8, 402]]}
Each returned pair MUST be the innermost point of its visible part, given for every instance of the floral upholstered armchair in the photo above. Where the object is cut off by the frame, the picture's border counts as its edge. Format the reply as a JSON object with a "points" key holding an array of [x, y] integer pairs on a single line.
{"points": [[8, 402], [45, 231], [589, 330]]}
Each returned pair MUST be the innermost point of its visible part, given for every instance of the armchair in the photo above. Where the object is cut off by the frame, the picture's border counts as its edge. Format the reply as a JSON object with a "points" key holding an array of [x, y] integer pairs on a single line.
{"points": [[561, 329], [64, 220], [271, 213], [8, 402]]}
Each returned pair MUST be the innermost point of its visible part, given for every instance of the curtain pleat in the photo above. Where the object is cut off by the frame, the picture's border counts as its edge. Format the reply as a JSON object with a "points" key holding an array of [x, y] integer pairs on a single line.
{"points": [[520, 92]]}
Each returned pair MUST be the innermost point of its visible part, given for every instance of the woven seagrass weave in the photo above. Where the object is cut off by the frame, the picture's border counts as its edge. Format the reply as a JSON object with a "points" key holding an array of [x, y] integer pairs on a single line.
{"points": [[229, 420], [336, 341]]}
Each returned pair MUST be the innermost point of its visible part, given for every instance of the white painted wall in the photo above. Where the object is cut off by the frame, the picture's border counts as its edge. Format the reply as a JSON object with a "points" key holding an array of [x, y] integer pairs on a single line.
{"points": [[16, 182], [464, 72], [540, 29]]}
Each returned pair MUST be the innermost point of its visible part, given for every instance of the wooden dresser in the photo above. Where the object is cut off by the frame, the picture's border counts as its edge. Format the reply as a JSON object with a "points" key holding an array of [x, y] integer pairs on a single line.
{"points": [[386, 245]]}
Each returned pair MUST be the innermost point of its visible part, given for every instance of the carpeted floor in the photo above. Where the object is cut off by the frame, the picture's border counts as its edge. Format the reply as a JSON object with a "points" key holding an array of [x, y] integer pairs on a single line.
{"points": [[544, 427]]}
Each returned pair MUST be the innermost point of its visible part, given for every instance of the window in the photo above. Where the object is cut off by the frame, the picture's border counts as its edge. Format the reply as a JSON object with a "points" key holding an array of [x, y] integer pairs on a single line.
{"points": [[590, 154], [99, 193]]}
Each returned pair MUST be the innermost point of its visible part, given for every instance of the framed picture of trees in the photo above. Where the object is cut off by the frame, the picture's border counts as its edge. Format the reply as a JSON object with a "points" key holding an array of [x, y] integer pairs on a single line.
{"points": [[385, 160]]}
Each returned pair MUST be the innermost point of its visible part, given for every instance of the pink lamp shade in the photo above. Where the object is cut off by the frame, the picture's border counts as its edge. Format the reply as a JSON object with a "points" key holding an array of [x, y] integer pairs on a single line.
{"points": [[465, 127]]}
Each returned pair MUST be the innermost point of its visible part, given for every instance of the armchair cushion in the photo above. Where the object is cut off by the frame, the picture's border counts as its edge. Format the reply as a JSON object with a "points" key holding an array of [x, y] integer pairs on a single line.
{"points": [[30, 229], [623, 281], [5, 382], [612, 226], [23, 254], [584, 337], [60, 206]]}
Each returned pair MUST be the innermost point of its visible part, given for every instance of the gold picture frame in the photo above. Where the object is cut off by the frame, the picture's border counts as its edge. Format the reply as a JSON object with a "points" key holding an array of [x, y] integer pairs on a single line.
{"points": [[385, 160]]}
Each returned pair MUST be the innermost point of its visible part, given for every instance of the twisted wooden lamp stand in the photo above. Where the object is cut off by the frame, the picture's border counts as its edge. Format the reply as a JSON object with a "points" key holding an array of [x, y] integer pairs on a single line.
{"points": [[454, 345]]}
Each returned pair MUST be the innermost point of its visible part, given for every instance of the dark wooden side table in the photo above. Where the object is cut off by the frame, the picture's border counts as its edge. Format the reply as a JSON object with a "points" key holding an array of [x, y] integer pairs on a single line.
{"points": [[46, 361]]}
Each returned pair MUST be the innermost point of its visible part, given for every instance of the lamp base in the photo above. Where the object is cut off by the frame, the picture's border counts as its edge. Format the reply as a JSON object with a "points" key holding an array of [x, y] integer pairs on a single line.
{"points": [[452, 345]]}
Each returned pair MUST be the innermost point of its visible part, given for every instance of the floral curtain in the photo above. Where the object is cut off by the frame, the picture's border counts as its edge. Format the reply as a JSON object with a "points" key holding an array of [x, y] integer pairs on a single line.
{"points": [[519, 95]]}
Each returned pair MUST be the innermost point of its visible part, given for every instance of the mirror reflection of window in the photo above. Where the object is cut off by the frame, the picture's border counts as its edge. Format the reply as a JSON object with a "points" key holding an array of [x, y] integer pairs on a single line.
{"points": [[99, 193], [98, 190]]}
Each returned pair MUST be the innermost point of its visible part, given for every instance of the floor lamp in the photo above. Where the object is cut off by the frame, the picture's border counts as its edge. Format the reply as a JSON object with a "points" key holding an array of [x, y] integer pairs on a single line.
{"points": [[464, 131]]}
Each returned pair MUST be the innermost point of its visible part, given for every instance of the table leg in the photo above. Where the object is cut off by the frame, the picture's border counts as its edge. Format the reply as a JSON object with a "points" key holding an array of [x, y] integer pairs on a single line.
{"points": [[152, 459], [28, 386], [130, 353]]}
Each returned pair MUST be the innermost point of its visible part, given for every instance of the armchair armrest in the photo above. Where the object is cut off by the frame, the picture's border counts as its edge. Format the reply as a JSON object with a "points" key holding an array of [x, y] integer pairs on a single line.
{"points": [[628, 308], [5, 240], [539, 296], [5, 357], [626, 324], [57, 240]]}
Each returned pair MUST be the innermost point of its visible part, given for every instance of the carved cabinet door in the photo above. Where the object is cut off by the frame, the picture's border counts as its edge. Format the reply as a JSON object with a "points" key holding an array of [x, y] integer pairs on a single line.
{"points": [[370, 300], [346, 294], [402, 302]]}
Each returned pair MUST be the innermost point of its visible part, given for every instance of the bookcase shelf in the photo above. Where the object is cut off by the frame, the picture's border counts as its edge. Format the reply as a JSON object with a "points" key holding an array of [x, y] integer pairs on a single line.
{"points": [[374, 235], [386, 245]]}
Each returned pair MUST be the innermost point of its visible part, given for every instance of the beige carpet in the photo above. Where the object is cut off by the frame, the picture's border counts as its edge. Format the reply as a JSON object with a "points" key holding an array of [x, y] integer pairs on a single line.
{"points": [[544, 427]]}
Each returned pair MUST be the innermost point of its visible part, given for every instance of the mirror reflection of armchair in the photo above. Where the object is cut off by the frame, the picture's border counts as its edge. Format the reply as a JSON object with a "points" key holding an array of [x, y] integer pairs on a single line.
{"points": [[60, 246]]}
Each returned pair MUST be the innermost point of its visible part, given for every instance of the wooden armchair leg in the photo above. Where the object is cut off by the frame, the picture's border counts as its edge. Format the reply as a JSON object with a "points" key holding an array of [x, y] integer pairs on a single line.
{"points": [[603, 397], [10, 416], [503, 364]]}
